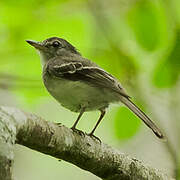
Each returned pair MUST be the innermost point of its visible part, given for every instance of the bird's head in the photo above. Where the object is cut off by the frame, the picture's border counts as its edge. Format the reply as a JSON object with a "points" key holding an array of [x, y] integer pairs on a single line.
{"points": [[53, 47]]}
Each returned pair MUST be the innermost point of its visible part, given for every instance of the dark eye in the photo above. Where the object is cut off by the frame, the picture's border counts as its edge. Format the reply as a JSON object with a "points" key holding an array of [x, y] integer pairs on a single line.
{"points": [[56, 44]]}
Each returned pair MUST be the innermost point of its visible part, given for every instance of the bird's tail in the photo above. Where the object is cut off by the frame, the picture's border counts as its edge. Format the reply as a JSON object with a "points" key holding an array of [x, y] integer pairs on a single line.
{"points": [[142, 116]]}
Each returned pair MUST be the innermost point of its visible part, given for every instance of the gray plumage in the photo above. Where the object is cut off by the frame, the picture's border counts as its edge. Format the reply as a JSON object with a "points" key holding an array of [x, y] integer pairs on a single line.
{"points": [[79, 84]]}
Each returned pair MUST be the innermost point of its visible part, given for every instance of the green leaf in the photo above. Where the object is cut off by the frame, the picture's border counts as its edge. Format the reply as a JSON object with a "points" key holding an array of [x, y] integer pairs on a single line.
{"points": [[126, 123], [164, 76], [167, 72], [143, 20]]}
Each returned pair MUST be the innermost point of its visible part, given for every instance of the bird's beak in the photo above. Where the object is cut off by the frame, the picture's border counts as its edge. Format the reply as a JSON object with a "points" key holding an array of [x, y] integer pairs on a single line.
{"points": [[37, 45]]}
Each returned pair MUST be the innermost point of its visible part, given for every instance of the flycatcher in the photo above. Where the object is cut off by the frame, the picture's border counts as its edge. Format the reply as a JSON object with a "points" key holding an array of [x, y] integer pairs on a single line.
{"points": [[79, 84]]}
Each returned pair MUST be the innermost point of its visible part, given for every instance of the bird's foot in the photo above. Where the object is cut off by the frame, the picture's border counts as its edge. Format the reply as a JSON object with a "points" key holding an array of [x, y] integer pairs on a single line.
{"points": [[81, 133], [59, 124], [94, 137]]}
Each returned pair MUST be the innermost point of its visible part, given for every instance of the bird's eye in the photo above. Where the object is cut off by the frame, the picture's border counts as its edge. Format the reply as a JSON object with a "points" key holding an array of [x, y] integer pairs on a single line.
{"points": [[56, 44]]}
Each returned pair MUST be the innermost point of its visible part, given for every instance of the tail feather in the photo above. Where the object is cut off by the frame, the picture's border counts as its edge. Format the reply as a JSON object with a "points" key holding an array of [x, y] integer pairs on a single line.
{"points": [[142, 116]]}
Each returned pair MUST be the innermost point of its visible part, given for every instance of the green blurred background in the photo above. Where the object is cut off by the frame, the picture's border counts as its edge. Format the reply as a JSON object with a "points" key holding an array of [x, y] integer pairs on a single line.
{"points": [[138, 41]]}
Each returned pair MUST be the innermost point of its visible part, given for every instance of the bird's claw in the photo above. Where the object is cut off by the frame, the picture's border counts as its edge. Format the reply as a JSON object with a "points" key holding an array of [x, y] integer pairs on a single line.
{"points": [[81, 133], [59, 124], [94, 137]]}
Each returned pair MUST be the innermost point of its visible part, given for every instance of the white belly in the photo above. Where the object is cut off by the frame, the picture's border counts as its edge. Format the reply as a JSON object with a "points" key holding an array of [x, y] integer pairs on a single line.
{"points": [[76, 95]]}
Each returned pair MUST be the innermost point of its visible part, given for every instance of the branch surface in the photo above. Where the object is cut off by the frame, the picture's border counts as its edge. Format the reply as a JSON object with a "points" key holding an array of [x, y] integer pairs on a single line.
{"points": [[61, 142]]}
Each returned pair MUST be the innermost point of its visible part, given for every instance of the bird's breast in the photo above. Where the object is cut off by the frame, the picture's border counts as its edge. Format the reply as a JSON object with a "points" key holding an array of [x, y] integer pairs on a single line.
{"points": [[75, 95]]}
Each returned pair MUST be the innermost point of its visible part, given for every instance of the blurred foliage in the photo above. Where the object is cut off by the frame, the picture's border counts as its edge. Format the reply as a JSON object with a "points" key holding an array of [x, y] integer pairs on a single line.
{"points": [[143, 19], [167, 72], [119, 35], [126, 124], [128, 38]]}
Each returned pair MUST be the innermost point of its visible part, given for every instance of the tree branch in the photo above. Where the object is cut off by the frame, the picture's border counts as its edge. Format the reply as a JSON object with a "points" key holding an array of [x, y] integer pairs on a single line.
{"points": [[61, 142]]}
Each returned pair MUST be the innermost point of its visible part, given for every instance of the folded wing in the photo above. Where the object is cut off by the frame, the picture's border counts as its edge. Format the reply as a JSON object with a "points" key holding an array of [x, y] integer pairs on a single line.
{"points": [[81, 71]]}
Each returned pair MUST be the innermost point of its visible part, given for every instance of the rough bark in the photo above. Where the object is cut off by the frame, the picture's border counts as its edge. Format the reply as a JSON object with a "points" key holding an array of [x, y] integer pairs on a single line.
{"points": [[61, 142]]}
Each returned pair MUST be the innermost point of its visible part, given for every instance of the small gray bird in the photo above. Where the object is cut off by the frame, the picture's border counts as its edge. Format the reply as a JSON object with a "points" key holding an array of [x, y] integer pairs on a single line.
{"points": [[79, 84]]}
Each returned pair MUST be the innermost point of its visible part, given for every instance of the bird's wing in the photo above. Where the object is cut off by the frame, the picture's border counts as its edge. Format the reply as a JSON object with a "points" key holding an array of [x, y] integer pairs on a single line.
{"points": [[82, 71]]}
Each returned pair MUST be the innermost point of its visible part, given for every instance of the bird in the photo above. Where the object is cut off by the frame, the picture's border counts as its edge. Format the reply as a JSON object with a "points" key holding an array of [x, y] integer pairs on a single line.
{"points": [[80, 85]]}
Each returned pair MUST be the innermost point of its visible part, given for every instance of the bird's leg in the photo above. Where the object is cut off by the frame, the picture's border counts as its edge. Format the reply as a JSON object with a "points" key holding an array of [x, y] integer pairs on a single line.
{"points": [[99, 120], [74, 125]]}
